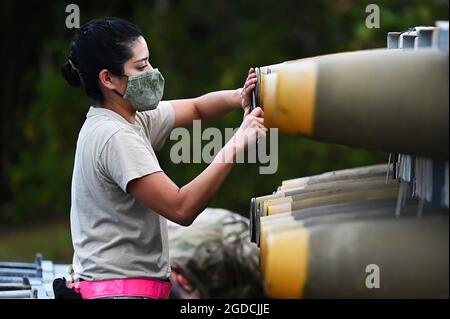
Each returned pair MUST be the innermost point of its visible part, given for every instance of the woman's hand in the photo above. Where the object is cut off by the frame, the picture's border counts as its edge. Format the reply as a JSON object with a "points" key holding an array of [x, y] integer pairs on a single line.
{"points": [[246, 92], [251, 129]]}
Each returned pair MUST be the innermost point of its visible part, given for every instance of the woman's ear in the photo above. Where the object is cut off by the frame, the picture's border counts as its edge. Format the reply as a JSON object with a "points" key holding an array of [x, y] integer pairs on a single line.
{"points": [[107, 79]]}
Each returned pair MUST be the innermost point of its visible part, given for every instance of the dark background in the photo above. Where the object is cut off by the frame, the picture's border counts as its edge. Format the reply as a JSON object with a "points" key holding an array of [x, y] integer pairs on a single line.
{"points": [[199, 46]]}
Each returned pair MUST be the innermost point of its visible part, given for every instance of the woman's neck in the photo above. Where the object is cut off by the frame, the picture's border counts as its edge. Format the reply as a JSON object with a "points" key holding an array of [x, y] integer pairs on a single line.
{"points": [[124, 110]]}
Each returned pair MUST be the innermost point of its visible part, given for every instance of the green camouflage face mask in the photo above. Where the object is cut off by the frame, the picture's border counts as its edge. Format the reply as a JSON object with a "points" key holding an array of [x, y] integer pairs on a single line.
{"points": [[145, 91]]}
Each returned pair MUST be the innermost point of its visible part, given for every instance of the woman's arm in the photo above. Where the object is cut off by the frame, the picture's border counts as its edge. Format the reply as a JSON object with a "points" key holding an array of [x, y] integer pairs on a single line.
{"points": [[214, 104], [209, 106], [182, 205]]}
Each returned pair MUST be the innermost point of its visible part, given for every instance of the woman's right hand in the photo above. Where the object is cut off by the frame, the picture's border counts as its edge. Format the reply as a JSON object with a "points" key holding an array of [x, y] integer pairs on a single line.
{"points": [[251, 129]]}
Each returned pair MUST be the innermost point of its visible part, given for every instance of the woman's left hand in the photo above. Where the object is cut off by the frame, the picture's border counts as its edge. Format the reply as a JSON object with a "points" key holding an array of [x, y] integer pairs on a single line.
{"points": [[246, 92]]}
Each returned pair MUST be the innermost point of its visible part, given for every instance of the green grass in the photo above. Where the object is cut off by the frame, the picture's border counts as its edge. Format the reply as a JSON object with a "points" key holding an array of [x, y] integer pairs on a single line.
{"points": [[52, 240]]}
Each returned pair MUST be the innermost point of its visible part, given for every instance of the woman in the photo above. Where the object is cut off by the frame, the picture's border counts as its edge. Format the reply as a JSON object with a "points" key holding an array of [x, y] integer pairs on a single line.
{"points": [[121, 198]]}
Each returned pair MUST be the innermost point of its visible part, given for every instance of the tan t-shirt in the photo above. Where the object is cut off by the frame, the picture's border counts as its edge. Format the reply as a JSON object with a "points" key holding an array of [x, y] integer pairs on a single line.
{"points": [[114, 235]]}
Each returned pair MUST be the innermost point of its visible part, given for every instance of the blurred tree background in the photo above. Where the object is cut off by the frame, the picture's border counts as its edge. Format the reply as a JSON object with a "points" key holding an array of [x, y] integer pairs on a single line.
{"points": [[199, 46]]}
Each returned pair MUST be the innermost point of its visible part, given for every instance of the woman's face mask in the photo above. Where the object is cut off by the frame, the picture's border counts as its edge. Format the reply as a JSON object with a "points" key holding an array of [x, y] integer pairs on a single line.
{"points": [[144, 91]]}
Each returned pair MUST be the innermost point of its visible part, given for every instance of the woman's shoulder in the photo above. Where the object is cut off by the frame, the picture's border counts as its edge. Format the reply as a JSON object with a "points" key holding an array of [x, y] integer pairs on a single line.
{"points": [[157, 115], [98, 130]]}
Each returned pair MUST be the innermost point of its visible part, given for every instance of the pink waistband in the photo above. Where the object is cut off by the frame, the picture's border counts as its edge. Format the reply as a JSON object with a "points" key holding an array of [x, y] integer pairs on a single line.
{"points": [[141, 287]]}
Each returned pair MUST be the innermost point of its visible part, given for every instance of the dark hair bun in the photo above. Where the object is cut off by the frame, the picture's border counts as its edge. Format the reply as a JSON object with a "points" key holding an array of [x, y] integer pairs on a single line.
{"points": [[71, 75]]}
